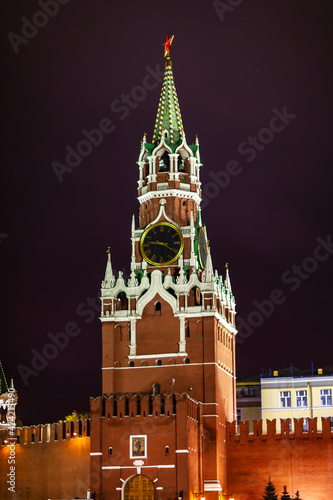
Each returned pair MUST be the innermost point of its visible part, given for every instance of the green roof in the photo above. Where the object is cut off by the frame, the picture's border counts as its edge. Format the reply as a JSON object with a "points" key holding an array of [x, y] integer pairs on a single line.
{"points": [[194, 148], [168, 113]]}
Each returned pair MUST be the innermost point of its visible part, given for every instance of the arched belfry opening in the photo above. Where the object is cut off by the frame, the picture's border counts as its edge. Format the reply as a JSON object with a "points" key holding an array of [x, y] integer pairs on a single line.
{"points": [[139, 487], [164, 163]]}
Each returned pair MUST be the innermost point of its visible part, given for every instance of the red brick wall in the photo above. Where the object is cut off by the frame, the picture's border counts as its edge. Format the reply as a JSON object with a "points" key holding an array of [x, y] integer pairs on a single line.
{"points": [[302, 461], [47, 470]]}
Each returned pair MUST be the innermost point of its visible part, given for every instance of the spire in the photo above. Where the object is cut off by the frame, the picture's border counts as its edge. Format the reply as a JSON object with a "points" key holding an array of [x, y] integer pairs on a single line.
{"points": [[227, 279], [109, 279], [3, 381], [209, 271], [168, 113]]}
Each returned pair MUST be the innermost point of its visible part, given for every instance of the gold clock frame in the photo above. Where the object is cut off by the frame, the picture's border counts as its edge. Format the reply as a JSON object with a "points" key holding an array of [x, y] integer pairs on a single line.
{"points": [[199, 253], [150, 228]]}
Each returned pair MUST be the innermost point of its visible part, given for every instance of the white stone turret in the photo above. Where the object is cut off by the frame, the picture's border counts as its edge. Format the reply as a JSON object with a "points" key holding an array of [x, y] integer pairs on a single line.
{"points": [[109, 279], [209, 271]]}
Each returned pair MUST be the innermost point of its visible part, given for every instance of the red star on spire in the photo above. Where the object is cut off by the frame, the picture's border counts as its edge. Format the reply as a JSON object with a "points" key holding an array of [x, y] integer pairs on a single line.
{"points": [[167, 45]]}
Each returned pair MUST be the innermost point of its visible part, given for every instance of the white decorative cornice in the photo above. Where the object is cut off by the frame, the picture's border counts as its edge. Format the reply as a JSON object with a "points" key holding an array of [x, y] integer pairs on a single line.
{"points": [[184, 145], [176, 193], [162, 145], [156, 287]]}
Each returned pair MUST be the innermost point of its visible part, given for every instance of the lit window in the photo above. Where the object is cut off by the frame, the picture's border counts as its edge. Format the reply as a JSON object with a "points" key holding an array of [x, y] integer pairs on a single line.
{"points": [[301, 398], [326, 397], [305, 425], [285, 399]]}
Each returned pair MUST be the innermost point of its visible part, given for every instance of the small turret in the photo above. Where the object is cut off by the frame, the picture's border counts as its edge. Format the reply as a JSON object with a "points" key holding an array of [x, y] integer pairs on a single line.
{"points": [[109, 279], [209, 271], [227, 279]]}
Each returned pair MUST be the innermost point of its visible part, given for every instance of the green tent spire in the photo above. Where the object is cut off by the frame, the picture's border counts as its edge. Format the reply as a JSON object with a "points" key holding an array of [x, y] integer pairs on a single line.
{"points": [[168, 113]]}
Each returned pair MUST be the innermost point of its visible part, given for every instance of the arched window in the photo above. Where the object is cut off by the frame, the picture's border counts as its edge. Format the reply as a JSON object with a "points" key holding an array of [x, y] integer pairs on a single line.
{"points": [[194, 297], [181, 164], [158, 362], [186, 361], [164, 163], [122, 301], [131, 363], [156, 389], [146, 168], [158, 307], [167, 450]]}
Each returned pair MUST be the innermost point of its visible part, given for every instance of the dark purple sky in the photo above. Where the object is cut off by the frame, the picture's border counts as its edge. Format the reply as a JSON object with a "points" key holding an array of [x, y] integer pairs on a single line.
{"points": [[230, 75]]}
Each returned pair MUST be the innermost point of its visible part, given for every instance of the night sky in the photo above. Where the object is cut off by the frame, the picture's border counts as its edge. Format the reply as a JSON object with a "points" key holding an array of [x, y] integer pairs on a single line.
{"points": [[236, 73]]}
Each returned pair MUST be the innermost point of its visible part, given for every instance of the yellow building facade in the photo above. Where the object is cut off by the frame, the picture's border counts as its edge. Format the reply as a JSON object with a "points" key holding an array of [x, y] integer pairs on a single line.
{"points": [[296, 397]]}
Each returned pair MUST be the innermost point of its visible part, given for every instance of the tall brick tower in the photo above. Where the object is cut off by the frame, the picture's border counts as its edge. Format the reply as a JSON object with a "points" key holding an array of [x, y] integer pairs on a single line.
{"points": [[168, 336]]}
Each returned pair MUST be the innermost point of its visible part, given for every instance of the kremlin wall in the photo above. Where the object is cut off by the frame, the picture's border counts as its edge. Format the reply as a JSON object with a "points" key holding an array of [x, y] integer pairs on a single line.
{"points": [[53, 460]]}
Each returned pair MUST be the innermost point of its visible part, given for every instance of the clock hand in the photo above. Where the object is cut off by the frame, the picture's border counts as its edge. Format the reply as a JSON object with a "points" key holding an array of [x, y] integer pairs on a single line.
{"points": [[163, 244]]}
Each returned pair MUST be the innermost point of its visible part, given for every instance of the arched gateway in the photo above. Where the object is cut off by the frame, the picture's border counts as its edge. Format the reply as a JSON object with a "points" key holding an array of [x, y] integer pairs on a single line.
{"points": [[139, 487]]}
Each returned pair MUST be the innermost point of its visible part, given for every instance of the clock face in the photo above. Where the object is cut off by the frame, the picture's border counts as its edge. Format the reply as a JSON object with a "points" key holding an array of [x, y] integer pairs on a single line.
{"points": [[202, 242], [161, 244]]}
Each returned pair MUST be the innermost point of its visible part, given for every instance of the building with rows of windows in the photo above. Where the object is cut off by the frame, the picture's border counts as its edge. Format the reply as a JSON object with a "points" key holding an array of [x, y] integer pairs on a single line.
{"points": [[297, 397], [286, 397]]}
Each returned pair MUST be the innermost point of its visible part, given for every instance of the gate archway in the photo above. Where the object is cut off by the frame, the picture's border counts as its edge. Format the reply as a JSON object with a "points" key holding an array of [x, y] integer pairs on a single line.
{"points": [[139, 487]]}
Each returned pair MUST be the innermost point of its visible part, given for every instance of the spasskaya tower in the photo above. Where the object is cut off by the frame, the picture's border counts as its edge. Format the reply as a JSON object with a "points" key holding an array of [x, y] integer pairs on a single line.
{"points": [[168, 336]]}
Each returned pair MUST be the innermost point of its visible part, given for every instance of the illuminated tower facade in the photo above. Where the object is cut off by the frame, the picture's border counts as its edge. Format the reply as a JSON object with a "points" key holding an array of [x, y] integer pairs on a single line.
{"points": [[168, 336]]}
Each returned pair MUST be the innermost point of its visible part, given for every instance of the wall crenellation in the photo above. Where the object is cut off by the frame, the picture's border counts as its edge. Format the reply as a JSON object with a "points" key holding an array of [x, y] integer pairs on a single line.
{"points": [[240, 432], [140, 405], [46, 433]]}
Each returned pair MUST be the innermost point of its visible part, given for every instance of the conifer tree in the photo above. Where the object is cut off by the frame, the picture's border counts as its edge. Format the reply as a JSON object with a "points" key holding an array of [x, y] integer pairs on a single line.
{"points": [[270, 492], [297, 497], [285, 495]]}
